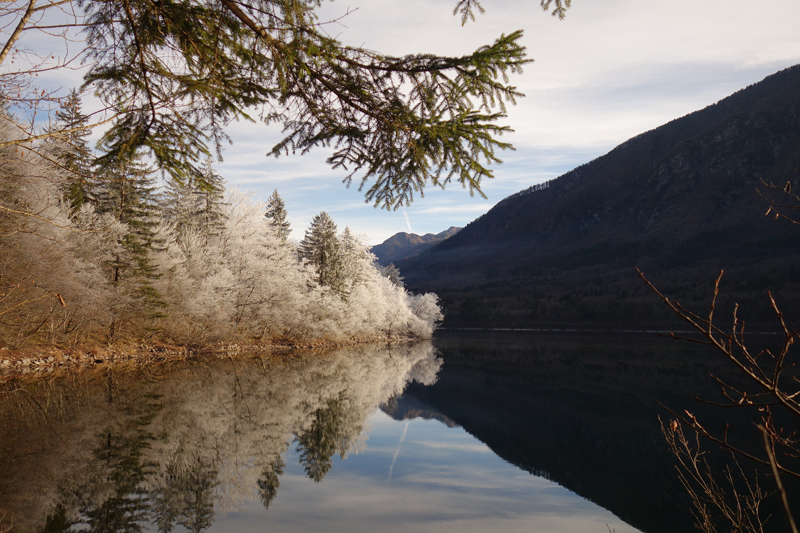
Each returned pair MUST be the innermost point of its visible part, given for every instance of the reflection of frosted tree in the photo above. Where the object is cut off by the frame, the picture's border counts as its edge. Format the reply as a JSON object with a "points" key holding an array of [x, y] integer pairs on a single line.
{"points": [[270, 481], [166, 507], [57, 522], [198, 491], [186, 498], [126, 507], [220, 432], [328, 435]]}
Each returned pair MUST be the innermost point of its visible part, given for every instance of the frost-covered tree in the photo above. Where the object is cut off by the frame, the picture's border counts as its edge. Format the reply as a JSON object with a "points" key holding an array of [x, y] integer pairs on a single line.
{"points": [[54, 288], [426, 307], [355, 257], [209, 196], [276, 214], [177, 204], [392, 273], [322, 249], [195, 205]]}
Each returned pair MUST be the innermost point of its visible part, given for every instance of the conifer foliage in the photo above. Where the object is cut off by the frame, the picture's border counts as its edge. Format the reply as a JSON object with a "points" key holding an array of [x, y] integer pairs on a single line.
{"points": [[72, 150], [173, 74], [129, 195], [276, 214], [321, 248]]}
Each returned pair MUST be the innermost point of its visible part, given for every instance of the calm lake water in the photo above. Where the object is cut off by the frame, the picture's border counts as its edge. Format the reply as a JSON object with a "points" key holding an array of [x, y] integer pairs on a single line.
{"points": [[477, 431]]}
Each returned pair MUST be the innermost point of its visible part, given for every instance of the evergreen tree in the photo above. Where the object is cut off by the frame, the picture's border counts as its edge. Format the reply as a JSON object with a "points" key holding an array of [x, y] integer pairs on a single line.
{"points": [[321, 248], [276, 215], [129, 193], [72, 149]]}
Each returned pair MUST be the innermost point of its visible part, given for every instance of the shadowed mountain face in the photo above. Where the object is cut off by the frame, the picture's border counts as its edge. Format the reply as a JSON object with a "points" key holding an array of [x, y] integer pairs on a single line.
{"points": [[679, 202], [582, 411], [402, 245]]}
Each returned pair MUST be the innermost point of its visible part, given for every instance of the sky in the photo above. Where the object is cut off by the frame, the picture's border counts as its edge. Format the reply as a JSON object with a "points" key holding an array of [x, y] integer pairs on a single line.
{"points": [[612, 69]]}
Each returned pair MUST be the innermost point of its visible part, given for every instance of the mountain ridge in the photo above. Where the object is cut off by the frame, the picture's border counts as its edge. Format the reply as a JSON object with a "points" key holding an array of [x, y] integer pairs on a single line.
{"points": [[402, 245], [678, 201]]}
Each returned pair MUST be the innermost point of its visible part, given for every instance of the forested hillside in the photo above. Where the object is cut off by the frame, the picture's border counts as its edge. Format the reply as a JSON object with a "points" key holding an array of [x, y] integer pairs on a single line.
{"points": [[680, 202]]}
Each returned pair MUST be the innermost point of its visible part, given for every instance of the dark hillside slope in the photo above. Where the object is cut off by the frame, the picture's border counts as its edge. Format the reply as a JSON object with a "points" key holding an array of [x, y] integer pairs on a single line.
{"points": [[679, 202]]}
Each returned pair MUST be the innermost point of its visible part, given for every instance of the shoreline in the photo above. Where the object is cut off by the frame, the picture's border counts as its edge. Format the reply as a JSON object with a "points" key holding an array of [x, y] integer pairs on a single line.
{"points": [[46, 360]]}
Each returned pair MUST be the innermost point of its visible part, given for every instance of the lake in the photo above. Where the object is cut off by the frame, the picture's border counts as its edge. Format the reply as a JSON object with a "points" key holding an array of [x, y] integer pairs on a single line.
{"points": [[476, 431]]}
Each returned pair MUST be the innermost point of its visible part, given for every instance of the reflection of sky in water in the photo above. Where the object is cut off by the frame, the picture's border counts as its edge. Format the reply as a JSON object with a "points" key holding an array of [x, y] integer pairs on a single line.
{"points": [[442, 479]]}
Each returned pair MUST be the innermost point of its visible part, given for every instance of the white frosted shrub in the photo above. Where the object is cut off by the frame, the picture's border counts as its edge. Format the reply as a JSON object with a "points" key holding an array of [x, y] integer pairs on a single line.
{"points": [[426, 308]]}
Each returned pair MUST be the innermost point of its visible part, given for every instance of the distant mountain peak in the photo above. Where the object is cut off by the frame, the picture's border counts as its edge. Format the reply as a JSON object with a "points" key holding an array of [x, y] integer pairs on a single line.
{"points": [[402, 245]]}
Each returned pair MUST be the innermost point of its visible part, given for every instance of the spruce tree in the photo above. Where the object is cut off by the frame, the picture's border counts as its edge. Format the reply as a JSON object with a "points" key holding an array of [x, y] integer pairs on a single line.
{"points": [[177, 204], [276, 215], [72, 149], [321, 248], [392, 273], [129, 193]]}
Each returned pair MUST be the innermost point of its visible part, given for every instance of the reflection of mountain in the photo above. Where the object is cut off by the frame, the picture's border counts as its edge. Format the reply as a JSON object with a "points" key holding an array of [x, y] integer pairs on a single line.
{"points": [[408, 408], [580, 412], [114, 451]]}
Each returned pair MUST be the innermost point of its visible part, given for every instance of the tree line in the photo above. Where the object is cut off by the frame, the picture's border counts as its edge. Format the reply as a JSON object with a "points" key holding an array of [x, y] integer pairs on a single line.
{"points": [[103, 253]]}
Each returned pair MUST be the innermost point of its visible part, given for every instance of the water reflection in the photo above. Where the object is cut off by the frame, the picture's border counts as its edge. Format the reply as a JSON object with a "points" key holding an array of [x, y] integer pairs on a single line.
{"points": [[582, 411], [172, 447], [248, 444]]}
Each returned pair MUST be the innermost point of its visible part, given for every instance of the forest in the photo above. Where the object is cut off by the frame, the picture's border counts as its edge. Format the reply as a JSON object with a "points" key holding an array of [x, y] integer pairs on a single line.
{"points": [[93, 254]]}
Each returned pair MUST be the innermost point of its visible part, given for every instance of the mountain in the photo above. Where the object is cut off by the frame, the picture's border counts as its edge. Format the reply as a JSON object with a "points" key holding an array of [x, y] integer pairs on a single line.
{"points": [[680, 202], [402, 245]]}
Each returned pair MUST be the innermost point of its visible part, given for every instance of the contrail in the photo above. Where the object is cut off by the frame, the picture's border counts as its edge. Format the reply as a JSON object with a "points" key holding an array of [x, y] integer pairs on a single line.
{"points": [[408, 222], [397, 451]]}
